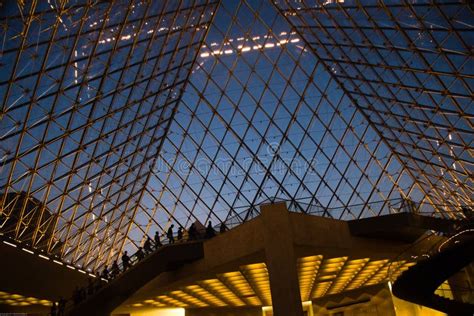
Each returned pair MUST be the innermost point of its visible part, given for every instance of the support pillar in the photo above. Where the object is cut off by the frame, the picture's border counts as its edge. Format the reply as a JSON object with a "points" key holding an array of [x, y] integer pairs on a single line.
{"points": [[280, 260], [469, 269], [462, 284]]}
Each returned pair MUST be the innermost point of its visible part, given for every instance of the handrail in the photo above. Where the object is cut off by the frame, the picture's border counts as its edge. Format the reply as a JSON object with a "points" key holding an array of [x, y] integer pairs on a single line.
{"points": [[447, 257], [407, 252], [377, 208], [434, 249], [100, 283], [250, 212], [392, 206]]}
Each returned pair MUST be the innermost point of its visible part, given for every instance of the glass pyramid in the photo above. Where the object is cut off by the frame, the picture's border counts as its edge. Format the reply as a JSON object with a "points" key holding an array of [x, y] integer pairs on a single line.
{"points": [[119, 118]]}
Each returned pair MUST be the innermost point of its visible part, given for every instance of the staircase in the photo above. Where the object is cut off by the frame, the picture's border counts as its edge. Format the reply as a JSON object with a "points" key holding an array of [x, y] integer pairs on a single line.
{"points": [[407, 227], [447, 257], [114, 293]]}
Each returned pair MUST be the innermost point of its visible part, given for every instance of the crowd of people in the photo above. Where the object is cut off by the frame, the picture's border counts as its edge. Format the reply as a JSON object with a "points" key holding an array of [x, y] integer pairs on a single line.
{"points": [[149, 246]]}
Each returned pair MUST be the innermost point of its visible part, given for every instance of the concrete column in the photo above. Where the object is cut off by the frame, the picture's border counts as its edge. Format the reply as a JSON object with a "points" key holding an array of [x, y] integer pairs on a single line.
{"points": [[462, 283], [458, 282], [280, 260], [470, 275]]}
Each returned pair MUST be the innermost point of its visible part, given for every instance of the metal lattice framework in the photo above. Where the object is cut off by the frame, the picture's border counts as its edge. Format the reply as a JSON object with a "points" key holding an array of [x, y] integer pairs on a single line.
{"points": [[119, 118], [88, 93], [408, 67]]}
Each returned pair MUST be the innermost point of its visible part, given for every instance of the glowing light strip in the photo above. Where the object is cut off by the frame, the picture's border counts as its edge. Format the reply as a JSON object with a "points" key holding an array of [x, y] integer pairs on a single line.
{"points": [[29, 251], [454, 236], [44, 257], [243, 49], [9, 244]]}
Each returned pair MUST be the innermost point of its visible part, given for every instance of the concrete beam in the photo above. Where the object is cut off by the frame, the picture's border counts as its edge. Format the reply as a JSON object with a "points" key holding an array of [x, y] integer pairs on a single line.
{"points": [[280, 259], [246, 244]]}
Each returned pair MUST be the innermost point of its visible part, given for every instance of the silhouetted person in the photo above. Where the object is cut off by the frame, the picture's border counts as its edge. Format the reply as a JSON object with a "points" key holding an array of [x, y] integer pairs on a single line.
{"points": [[125, 261], [157, 240], [61, 306], [105, 273], [115, 269], [140, 254], [223, 228], [76, 295], [54, 309], [192, 232], [169, 234], [468, 212], [180, 233], [82, 294], [90, 287], [147, 245], [210, 232], [98, 284], [408, 206]]}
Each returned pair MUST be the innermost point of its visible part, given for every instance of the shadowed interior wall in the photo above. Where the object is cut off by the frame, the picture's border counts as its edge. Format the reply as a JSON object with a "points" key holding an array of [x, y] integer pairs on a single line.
{"points": [[31, 275]]}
